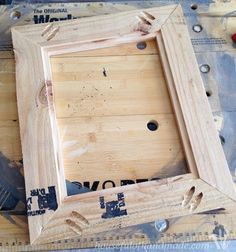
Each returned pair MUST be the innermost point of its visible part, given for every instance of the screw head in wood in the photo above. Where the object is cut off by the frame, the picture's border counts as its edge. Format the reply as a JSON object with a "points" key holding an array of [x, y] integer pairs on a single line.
{"points": [[161, 225], [197, 28], [141, 45], [205, 68]]}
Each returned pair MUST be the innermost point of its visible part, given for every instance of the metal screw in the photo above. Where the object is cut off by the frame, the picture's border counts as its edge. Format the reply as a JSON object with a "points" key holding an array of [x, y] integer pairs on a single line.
{"points": [[204, 68], [197, 28], [141, 45], [161, 225]]}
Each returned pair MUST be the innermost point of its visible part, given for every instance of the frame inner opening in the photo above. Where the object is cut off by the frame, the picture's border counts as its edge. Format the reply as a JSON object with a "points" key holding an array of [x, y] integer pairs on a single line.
{"points": [[116, 122]]}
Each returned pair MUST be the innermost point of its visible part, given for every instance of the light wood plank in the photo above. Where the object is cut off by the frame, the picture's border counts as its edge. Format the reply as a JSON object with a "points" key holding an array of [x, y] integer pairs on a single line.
{"points": [[8, 109], [37, 139], [130, 85], [210, 160], [126, 49], [10, 144], [90, 29], [176, 106], [120, 148], [157, 197], [126, 95]]}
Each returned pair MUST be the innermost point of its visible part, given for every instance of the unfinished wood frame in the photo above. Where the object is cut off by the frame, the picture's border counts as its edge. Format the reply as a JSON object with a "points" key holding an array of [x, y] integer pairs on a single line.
{"points": [[52, 215]]}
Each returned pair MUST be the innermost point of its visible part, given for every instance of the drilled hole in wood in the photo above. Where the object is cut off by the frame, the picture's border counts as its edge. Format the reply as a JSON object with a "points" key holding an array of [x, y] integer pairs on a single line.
{"points": [[80, 217], [143, 20], [75, 227], [47, 29], [141, 45], [70, 222], [208, 93], [148, 15], [194, 6], [15, 15], [199, 196], [152, 125], [188, 196], [196, 201], [53, 33]]}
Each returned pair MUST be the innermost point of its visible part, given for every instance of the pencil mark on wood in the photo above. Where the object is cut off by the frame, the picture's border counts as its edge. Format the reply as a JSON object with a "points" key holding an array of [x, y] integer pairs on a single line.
{"points": [[143, 20], [148, 15]]}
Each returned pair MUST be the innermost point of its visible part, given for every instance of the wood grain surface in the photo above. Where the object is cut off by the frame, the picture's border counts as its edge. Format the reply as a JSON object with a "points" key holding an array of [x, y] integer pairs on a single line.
{"points": [[205, 143], [103, 117], [195, 228]]}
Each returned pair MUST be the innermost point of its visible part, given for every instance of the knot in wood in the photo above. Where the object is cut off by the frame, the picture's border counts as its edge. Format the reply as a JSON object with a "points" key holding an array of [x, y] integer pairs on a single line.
{"points": [[45, 93]]}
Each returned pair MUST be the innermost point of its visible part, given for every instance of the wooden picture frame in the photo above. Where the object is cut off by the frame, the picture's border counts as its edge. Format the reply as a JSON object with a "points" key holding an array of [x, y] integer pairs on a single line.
{"points": [[52, 215]]}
